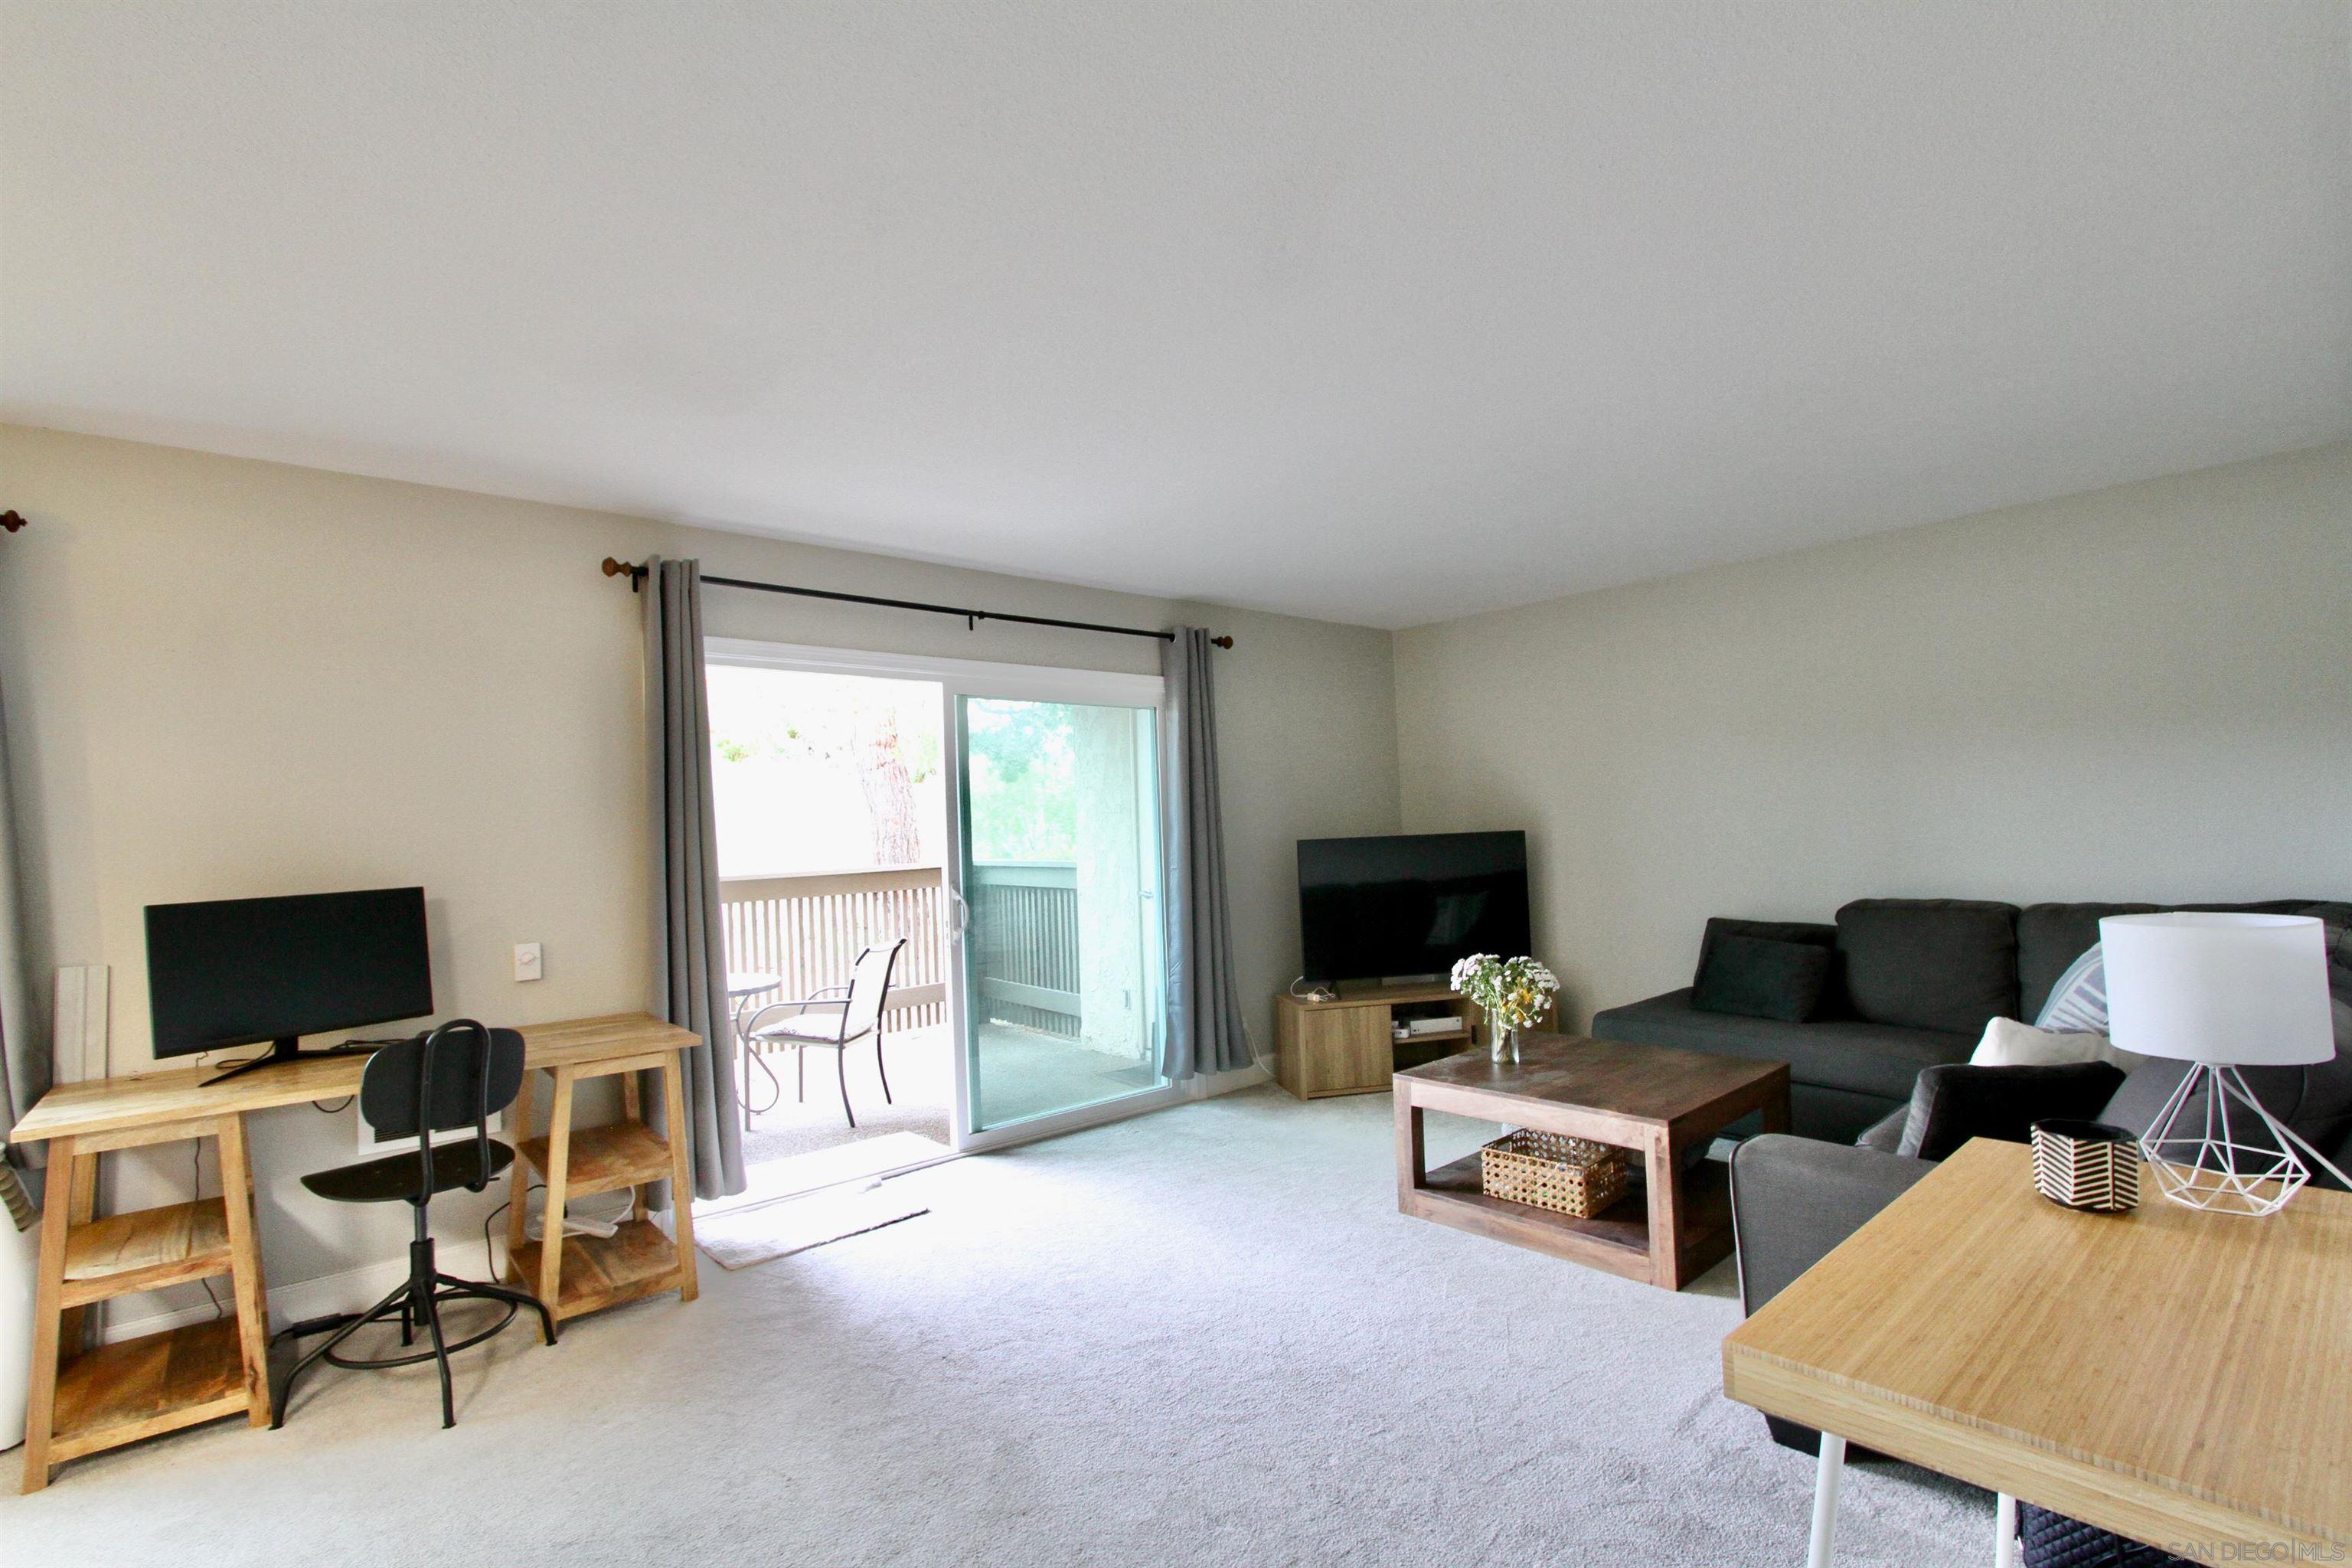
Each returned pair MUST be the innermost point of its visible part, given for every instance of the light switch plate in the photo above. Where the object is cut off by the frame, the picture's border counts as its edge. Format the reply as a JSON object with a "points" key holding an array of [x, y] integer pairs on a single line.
{"points": [[527, 960]]}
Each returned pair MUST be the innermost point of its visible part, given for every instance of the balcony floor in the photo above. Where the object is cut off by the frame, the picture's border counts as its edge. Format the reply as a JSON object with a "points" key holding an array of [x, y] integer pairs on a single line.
{"points": [[1021, 1073]]}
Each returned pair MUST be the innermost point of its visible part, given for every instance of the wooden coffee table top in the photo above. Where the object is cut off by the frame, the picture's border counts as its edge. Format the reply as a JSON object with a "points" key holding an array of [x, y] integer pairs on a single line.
{"points": [[1656, 1085]]}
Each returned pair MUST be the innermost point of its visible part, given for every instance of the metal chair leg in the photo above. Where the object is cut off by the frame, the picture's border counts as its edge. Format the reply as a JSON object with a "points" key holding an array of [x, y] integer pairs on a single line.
{"points": [[752, 1058], [285, 1389], [800, 1075], [489, 1292], [441, 1360], [880, 1068], [841, 1070]]}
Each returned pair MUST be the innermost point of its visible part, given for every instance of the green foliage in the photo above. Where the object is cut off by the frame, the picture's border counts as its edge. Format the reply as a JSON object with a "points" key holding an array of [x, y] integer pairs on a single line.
{"points": [[1024, 800]]}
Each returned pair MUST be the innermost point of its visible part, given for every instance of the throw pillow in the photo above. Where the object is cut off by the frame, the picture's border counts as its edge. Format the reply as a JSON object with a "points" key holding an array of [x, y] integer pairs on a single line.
{"points": [[1755, 978], [2078, 1002], [2009, 1044], [1952, 1102]]}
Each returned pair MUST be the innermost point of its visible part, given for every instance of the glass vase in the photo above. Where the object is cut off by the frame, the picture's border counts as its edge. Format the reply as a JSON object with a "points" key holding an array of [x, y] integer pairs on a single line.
{"points": [[1505, 1044]]}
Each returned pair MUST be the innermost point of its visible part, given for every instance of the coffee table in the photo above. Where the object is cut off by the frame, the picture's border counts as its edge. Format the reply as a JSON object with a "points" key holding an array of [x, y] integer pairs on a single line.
{"points": [[1658, 1102]]}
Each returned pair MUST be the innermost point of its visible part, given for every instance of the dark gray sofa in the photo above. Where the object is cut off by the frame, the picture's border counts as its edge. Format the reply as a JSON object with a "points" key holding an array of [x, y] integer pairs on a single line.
{"points": [[1917, 982]]}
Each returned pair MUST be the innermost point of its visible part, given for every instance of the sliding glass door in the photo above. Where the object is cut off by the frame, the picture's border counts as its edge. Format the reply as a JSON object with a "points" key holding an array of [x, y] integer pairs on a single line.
{"points": [[1061, 885], [1049, 951]]}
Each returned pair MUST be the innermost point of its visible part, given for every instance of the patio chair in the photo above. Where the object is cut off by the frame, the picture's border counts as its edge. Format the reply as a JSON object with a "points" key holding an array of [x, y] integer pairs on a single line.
{"points": [[788, 1026]]}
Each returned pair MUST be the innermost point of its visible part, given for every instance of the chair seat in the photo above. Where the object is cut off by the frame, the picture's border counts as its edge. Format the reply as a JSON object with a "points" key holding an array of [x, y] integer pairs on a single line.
{"points": [[818, 1031], [396, 1177]]}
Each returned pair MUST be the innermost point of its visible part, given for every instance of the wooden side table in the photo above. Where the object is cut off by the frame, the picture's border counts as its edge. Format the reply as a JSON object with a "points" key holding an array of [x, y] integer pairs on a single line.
{"points": [[587, 1273], [1654, 1100]]}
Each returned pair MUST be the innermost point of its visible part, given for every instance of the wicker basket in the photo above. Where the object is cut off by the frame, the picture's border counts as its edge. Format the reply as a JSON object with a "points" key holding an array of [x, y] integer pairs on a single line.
{"points": [[1552, 1170]]}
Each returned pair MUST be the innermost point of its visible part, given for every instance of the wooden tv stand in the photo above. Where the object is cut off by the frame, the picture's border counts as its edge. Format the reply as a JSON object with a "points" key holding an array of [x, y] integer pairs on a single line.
{"points": [[1346, 1047]]}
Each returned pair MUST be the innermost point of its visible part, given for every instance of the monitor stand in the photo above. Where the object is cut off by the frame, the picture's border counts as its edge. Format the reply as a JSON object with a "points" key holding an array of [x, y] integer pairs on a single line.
{"points": [[282, 1052]]}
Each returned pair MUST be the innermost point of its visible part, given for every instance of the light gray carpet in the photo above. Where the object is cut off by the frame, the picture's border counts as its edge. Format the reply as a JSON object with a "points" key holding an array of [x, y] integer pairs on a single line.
{"points": [[1201, 1336]]}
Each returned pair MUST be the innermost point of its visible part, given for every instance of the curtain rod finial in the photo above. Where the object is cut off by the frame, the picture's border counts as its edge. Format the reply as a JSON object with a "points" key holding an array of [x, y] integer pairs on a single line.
{"points": [[1222, 642], [12, 519], [636, 574]]}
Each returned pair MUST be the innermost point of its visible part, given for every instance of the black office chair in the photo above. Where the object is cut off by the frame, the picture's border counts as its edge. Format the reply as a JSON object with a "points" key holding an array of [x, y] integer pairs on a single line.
{"points": [[460, 1073], [861, 1001]]}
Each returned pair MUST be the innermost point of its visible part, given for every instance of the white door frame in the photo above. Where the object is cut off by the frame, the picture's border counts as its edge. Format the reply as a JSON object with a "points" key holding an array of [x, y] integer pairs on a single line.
{"points": [[974, 678]]}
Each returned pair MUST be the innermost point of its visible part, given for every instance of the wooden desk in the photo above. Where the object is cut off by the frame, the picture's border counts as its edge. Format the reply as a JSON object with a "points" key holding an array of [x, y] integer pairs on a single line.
{"points": [[2177, 1377], [83, 1401]]}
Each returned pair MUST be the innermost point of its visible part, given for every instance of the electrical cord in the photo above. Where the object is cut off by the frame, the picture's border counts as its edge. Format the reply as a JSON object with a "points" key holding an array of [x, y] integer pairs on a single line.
{"points": [[196, 1191], [489, 1258]]}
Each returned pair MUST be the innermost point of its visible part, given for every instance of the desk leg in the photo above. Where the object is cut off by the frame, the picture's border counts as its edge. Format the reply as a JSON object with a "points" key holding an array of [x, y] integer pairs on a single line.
{"points": [[559, 1177], [681, 1176], [1826, 1475], [633, 1108], [48, 1291], [518, 1187], [74, 1329], [2004, 1531], [245, 1268]]}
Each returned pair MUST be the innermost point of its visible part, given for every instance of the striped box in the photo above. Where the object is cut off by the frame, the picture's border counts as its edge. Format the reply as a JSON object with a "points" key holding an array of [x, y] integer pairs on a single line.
{"points": [[2086, 1165]]}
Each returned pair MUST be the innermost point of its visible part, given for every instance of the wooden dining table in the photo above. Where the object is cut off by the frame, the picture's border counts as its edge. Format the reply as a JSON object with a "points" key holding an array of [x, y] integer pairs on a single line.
{"points": [[2180, 1377]]}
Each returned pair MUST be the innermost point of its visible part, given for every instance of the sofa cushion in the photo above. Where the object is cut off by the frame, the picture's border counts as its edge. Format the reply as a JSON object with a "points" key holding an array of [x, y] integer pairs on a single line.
{"points": [[1751, 977], [2050, 938], [1836, 1053], [1947, 964]]}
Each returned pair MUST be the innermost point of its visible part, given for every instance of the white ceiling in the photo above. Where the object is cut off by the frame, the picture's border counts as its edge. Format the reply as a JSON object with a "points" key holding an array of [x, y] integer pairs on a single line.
{"points": [[1374, 312]]}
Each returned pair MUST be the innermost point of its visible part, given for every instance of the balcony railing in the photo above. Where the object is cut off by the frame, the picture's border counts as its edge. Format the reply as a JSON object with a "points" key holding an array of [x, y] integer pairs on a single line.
{"points": [[809, 930], [1026, 913]]}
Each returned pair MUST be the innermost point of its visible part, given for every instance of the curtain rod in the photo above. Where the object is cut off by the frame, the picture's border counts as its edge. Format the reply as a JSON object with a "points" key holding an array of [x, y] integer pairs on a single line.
{"points": [[637, 576]]}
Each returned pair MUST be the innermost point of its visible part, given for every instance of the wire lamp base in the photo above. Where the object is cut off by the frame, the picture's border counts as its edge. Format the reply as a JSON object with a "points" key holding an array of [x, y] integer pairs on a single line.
{"points": [[2198, 1161]]}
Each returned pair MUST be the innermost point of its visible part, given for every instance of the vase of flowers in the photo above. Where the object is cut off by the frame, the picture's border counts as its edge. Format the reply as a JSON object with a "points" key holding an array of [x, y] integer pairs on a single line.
{"points": [[1513, 993]]}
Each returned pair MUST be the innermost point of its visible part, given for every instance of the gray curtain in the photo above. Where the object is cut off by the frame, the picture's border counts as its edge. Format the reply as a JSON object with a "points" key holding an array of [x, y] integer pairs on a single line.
{"points": [[689, 944], [1204, 1007], [24, 1055]]}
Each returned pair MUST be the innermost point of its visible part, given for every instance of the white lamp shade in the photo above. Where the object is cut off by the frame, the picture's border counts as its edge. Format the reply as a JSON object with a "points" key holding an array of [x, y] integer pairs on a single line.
{"points": [[2246, 990]]}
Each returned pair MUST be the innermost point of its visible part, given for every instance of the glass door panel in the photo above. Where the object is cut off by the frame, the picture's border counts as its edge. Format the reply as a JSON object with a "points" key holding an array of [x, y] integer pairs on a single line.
{"points": [[1060, 878]]}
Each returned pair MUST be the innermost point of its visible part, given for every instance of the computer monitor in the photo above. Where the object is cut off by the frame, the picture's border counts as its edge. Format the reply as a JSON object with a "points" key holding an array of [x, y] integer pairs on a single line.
{"points": [[236, 972]]}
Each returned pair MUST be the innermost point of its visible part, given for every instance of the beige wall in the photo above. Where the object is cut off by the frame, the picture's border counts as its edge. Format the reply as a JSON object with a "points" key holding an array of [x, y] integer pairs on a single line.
{"points": [[227, 678], [2140, 693]]}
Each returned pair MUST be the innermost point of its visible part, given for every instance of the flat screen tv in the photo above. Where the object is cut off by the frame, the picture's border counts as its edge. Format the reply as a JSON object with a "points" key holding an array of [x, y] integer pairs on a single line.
{"points": [[236, 972], [1410, 904]]}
